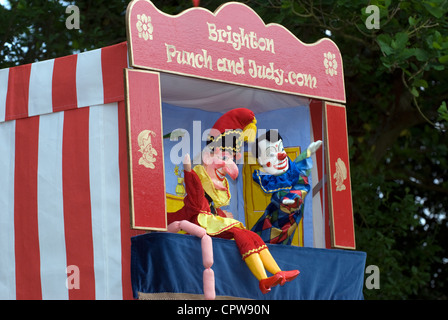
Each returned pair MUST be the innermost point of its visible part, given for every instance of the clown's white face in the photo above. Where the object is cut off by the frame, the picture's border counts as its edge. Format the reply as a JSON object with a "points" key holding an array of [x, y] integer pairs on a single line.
{"points": [[272, 157]]}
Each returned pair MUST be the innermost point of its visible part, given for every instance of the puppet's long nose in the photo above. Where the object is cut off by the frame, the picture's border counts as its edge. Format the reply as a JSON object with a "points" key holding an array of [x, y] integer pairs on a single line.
{"points": [[281, 156], [231, 169]]}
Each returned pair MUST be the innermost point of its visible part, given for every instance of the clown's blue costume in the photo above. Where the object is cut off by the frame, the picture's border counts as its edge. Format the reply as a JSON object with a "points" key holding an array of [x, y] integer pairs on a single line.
{"points": [[279, 221]]}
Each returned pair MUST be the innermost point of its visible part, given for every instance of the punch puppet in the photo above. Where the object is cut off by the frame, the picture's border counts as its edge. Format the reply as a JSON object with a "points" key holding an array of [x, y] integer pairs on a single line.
{"points": [[287, 181], [208, 190]]}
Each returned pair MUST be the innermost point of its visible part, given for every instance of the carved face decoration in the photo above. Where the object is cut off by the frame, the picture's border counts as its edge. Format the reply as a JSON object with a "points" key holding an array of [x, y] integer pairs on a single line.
{"points": [[340, 175], [148, 152], [272, 157], [218, 164]]}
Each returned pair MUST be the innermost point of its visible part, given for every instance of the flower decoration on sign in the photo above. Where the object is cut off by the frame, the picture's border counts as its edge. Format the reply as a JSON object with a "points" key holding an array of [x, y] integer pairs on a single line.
{"points": [[144, 26], [340, 175], [330, 64]]}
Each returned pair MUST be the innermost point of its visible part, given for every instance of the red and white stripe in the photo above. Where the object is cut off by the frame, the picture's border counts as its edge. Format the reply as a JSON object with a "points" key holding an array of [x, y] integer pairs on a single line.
{"points": [[64, 186], [80, 80]]}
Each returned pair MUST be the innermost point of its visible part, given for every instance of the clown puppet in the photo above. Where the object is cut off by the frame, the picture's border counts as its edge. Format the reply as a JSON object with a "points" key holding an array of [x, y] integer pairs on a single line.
{"points": [[208, 190], [287, 181]]}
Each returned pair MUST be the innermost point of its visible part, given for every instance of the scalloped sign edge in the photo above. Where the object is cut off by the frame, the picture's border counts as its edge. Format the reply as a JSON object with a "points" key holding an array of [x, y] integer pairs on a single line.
{"points": [[233, 45]]}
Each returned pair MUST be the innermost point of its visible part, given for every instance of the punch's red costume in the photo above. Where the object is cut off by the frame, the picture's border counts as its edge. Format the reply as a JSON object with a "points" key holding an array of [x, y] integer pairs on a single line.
{"points": [[196, 204]]}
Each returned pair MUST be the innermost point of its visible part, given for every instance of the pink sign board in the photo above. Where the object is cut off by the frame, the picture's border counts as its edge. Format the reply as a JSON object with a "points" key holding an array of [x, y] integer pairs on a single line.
{"points": [[233, 45]]}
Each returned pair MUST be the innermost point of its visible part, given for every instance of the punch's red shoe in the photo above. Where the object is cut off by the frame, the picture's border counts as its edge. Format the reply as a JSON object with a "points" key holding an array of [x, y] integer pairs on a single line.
{"points": [[286, 276], [266, 284]]}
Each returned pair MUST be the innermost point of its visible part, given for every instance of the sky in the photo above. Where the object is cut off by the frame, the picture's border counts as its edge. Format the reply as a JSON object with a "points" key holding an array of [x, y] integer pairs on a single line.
{"points": [[5, 3]]}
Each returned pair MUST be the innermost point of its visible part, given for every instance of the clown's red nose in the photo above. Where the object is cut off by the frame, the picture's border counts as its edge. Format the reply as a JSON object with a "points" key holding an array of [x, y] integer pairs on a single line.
{"points": [[281, 156]]}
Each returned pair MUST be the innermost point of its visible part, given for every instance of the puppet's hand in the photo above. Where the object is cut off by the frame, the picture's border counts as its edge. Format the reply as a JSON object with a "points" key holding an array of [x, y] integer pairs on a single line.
{"points": [[313, 147], [287, 201], [288, 205], [187, 163]]}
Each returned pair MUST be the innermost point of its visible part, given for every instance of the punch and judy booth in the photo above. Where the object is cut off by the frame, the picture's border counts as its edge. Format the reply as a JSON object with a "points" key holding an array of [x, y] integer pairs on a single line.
{"points": [[91, 150]]}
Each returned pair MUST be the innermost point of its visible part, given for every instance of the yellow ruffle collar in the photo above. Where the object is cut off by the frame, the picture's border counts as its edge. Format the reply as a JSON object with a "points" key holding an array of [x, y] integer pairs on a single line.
{"points": [[220, 197]]}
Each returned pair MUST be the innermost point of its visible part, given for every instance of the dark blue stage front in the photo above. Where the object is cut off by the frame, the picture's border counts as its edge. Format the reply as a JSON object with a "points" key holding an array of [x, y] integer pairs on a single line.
{"points": [[166, 264]]}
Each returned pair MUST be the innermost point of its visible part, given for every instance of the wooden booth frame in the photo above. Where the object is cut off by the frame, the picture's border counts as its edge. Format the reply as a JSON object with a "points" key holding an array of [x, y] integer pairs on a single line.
{"points": [[200, 44]]}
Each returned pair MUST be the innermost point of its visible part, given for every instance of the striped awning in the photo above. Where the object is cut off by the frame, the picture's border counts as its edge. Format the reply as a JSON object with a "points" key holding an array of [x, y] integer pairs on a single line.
{"points": [[64, 207]]}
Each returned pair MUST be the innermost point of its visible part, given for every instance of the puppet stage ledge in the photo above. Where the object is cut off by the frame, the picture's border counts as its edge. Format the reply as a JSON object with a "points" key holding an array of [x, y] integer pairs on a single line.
{"points": [[169, 266]]}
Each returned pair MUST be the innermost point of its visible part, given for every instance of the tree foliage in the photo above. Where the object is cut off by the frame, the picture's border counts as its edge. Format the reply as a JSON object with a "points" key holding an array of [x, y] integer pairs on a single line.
{"points": [[396, 81]]}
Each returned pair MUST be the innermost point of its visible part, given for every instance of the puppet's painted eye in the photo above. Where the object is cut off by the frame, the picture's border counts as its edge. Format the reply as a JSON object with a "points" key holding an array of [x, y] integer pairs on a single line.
{"points": [[271, 152], [280, 146]]}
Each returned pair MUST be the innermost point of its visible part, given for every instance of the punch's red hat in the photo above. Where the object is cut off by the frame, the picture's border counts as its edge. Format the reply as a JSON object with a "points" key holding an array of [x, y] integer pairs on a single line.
{"points": [[232, 129]]}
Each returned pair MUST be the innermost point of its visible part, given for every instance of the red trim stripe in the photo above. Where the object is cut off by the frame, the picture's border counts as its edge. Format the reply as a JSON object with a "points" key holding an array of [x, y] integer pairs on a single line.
{"points": [[64, 83], [113, 60], [28, 280], [18, 92], [76, 191]]}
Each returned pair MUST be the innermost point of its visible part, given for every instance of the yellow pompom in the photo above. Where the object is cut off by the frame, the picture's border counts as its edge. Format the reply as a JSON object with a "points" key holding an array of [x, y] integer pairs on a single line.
{"points": [[250, 131]]}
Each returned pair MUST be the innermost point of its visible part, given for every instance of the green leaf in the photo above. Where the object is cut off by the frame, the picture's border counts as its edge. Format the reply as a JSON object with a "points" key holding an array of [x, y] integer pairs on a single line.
{"points": [[406, 54], [414, 91], [384, 41], [420, 83], [421, 54], [443, 112], [436, 45], [443, 59], [433, 9], [401, 38], [393, 44]]}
